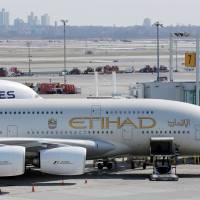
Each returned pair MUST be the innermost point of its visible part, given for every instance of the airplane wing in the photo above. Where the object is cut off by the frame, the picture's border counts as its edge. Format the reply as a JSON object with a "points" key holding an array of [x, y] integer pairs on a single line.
{"points": [[94, 147]]}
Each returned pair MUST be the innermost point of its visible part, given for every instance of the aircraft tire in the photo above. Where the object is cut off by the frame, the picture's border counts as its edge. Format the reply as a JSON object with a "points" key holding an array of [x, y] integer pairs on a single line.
{"points": [[144, 166], [109, 165], [100, 166], [132, 165]]}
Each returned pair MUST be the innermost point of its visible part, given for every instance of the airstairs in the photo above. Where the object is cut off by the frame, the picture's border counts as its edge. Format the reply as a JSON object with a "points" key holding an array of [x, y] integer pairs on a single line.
{"points": [[163, 153]]}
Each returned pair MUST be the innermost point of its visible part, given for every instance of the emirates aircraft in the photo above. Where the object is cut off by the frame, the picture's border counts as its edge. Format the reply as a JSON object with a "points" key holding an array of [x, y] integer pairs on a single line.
{"points": [[58, 136], [14, 90]]}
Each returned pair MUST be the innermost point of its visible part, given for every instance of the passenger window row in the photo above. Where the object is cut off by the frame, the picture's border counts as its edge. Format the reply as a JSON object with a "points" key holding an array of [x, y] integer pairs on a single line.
{"points": [[129, 112], [166, 132], [30, 112], [71, 132]]}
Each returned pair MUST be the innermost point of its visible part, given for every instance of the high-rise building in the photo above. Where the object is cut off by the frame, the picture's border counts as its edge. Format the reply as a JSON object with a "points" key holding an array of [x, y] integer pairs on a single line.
{"points": [[147, 22], [4, 18], [45, 20], [55, 23], [18, 22], [1, 18], [33, 20], [36, 20]]}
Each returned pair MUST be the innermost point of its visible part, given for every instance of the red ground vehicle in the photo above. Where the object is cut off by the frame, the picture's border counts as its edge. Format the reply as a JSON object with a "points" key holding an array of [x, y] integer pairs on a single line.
{"points": [[109, 69], [56, 88], [13, 71]]}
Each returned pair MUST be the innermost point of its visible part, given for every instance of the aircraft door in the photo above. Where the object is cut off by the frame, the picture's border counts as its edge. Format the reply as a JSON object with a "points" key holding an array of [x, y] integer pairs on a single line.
{"points": [[197, 132], [12, 131], [127, 133], [96, 111]]}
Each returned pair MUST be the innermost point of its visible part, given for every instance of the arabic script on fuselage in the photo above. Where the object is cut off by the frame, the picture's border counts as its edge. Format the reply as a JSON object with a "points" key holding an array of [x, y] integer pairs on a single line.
{"points": [[180, 122]]}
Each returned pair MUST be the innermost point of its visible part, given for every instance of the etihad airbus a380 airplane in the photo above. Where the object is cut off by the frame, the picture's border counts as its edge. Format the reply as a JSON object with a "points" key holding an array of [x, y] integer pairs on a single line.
{"points": [[59, 135]]}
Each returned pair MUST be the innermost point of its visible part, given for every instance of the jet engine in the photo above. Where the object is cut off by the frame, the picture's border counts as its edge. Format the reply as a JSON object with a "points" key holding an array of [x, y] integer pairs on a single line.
{"points": [[63, 160], [12, 160]]}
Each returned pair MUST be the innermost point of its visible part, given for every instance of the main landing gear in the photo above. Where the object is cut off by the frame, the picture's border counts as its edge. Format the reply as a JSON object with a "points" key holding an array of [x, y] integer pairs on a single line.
{"points": [[138, 163], [104, 163]]}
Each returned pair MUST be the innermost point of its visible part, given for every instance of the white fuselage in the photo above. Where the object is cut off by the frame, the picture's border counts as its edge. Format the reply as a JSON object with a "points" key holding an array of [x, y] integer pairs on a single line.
{"points": [[127, 124]]}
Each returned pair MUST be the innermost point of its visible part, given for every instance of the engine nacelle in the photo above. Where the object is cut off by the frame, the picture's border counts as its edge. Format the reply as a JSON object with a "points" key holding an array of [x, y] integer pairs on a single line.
{"points": [[63, 160], [12, 160]]}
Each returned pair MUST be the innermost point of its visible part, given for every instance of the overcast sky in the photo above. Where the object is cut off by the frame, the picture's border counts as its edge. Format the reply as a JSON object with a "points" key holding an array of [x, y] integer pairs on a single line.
{"points": [[108, 12]]}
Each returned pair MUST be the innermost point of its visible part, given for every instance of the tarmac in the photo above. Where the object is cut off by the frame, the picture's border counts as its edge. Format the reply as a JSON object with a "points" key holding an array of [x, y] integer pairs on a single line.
{"points": [[122, 184], [48, 55], [87, 82]]}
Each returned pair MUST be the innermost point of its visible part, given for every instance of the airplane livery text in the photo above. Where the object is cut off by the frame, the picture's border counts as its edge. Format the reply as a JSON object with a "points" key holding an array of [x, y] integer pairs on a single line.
{"points": [[106, 122], [7, 94]]}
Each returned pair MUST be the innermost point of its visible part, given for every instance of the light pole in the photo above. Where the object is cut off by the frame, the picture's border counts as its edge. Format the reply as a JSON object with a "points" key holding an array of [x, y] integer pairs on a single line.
{"points": [[176, 42], [64, 25], [197, 70], [28, 44], [158, 25]]}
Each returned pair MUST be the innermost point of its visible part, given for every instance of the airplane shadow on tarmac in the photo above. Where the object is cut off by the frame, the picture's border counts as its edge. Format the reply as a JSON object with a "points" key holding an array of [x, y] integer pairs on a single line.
{"points": [[115, 174], [188, 175], [32, 177], [4, 193]]}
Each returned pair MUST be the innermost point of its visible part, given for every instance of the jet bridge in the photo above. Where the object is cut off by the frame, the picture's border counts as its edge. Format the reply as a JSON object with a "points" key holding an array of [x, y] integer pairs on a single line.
{"points": [[163, 153]]}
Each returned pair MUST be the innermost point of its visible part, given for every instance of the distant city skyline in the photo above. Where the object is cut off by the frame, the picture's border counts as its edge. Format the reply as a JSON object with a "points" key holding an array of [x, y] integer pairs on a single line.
{"points": [[107, 12], [32, 19]]}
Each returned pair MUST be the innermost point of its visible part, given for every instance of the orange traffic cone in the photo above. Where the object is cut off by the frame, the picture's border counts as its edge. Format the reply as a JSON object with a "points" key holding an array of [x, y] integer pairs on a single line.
{"points": [[33, 188]]}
